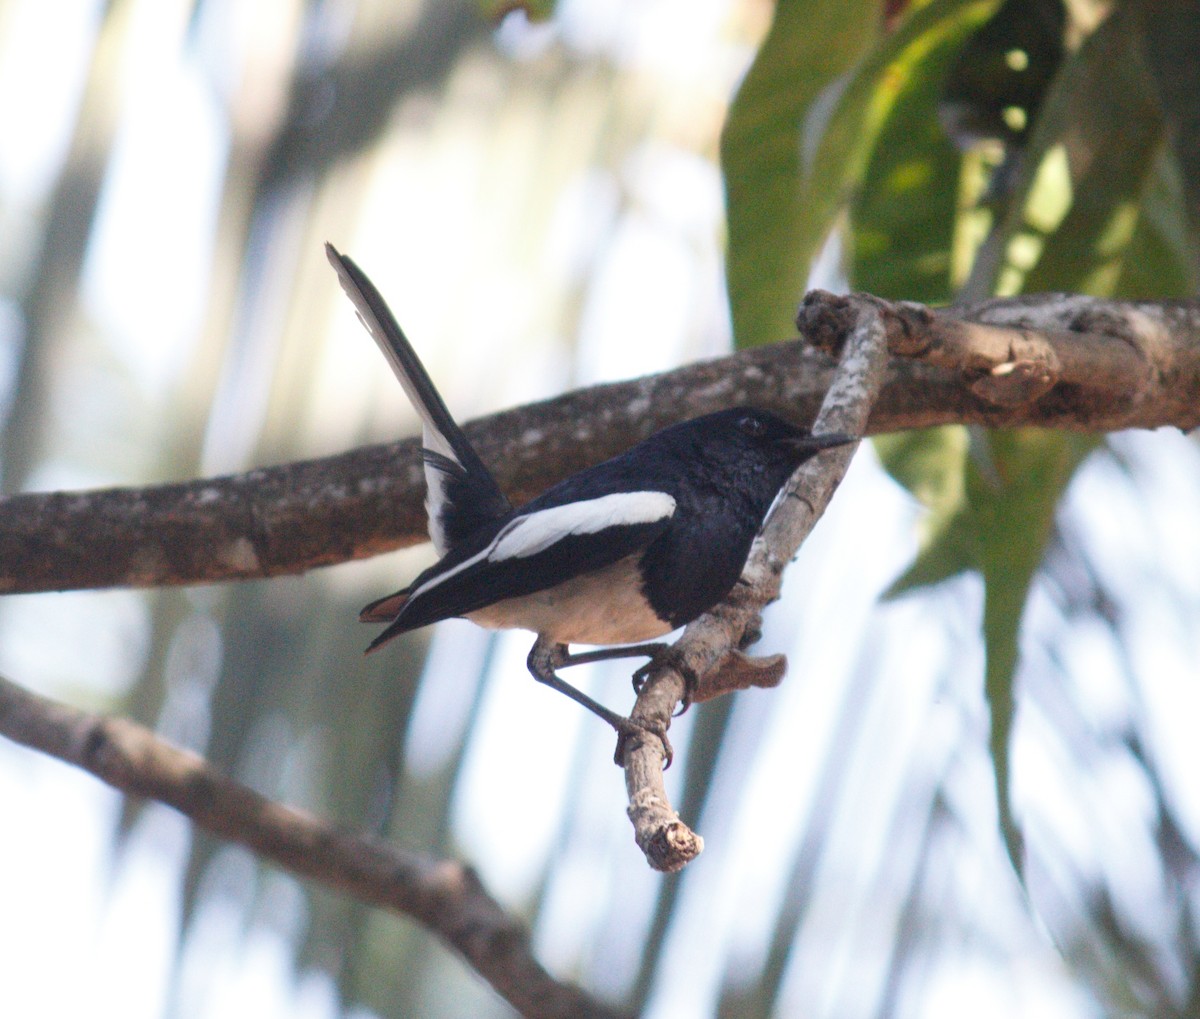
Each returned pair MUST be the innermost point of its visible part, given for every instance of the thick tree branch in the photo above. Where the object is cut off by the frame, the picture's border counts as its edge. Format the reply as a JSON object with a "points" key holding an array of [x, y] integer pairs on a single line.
{"points": [[1052, 360], [445, 897], [711, 648]]}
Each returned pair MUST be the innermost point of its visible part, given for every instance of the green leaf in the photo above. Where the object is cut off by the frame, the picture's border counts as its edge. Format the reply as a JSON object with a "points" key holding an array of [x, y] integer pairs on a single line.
{"points": [[799, 136], [991, 509], [1171, 41], [931, 464], [1092, 156], [1079, 216], [1158, 261], [841, 151], [1011, 505], [1074, 211], [809, 47], [903, 216], [1002, 73], [535, 10]]}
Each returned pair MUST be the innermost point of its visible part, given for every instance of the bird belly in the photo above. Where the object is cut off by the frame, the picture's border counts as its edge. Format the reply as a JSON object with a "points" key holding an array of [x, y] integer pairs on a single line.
{"points": [[603, 607]]}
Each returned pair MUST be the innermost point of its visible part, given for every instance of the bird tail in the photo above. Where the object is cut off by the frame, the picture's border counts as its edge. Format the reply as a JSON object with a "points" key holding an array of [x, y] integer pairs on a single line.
{"points": [[384, 610], [462, 493]]}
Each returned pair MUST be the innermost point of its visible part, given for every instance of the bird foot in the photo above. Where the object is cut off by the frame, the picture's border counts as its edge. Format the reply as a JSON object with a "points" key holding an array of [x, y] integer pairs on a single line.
{"points": [[547, 656], [668, 657], [630, 728]]}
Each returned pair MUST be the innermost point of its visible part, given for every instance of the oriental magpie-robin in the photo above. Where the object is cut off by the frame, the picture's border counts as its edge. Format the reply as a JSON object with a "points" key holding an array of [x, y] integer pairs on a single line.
{"points": [[622, 552]]}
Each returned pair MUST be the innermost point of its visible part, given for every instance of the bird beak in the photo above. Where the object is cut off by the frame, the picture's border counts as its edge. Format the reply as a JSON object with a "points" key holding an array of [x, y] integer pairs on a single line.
{"points": [[827, 441]]}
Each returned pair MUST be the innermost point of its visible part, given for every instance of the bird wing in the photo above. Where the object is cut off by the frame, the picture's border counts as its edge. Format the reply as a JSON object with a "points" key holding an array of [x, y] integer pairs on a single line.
{"points": [[533, 551], [384, 610], [462, 493]]}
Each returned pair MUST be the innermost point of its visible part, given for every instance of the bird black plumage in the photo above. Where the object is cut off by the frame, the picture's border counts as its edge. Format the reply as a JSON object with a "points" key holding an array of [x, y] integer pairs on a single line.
{"points": [[622, 552]]}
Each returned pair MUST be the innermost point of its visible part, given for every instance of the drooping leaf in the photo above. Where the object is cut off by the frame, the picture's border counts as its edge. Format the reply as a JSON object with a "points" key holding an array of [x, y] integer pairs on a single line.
{"points": [[1095, 194], [902, 218], [808, 50], [798, 140], [1100, 135], [1158, 261], [991, 508], [932, 465], [1011, 507]]}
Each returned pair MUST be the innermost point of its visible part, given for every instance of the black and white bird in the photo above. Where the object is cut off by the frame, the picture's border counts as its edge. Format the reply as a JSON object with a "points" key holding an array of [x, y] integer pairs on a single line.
{"points": [[619, 553]]}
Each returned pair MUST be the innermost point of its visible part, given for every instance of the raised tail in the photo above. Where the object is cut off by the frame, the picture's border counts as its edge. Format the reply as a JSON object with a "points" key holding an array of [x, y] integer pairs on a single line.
{"points": [[462, 493]]}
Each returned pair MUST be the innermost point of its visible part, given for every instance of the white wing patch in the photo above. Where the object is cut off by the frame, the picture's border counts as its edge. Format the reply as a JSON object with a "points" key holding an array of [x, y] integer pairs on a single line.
{"points": [[535, 532]]}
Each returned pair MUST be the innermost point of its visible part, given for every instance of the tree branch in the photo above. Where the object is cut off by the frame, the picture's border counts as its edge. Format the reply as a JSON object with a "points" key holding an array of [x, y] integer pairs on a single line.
{"points": [[711, 648], [1052, 360], [445, 897]]}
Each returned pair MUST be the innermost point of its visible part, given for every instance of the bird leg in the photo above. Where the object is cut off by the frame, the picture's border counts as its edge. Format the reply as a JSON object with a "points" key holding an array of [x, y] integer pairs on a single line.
{"points": [[546, 656], [604, 654], [662, 656], [665, 656]]}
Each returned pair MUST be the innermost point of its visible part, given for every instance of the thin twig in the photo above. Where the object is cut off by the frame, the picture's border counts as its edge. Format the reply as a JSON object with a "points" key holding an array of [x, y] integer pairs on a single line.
{"points": [[711, 648], [444, 896]]}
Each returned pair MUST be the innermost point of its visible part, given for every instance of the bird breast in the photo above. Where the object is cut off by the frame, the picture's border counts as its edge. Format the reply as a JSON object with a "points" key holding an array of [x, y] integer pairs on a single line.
{"points": [[603, 607]]}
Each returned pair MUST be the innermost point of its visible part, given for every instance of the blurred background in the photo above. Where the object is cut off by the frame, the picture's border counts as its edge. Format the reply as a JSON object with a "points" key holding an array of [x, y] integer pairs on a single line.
{"points": [[542, 204]]}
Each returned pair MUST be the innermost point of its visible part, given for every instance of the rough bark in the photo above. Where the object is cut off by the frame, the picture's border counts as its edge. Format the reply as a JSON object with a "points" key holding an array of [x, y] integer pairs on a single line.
{"points": [[1058, 361]]}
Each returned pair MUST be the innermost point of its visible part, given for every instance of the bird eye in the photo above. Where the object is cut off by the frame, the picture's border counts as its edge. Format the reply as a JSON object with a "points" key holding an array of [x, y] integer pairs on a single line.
{"points": [[751, 425]]}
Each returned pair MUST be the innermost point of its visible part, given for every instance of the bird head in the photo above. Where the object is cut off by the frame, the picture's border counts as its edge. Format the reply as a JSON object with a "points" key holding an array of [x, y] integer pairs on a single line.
{"points": [[748, 449], [760, 432]]}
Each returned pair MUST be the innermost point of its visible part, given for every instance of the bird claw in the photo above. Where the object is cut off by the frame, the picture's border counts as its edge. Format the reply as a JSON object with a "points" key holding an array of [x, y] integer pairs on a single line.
{"points": [[633, 728], [641, 674], [668, 658]]}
